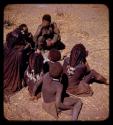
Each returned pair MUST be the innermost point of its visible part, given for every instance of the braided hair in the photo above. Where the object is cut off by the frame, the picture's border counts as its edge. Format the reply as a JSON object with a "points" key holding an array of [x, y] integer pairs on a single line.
{"points": [[36, 63], [78, 55]]}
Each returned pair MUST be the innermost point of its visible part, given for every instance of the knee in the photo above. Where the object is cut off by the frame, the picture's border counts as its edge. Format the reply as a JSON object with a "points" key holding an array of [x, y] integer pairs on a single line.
{"points": [[92, 72]]}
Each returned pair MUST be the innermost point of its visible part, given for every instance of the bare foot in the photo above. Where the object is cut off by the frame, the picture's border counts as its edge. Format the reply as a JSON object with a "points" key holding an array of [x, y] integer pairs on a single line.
{"points": [[32, 98], [6, 99], [38, 96]]}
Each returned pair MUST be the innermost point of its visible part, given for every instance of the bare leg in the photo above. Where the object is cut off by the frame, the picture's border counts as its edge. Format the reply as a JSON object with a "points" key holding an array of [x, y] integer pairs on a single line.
{"points": [[94, 76], [76, 110], [76, 104]]}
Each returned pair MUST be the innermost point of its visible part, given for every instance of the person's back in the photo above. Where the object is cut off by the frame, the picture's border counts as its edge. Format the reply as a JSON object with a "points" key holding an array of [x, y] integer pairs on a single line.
{"points": [[49, 88]]}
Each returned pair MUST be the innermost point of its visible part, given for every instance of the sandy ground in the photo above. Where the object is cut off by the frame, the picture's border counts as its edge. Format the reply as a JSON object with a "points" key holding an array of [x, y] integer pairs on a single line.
{"points": [[87, 24]]}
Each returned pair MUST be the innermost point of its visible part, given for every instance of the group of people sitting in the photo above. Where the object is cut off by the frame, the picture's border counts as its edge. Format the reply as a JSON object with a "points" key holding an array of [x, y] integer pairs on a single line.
{"points": [[25, 65]]}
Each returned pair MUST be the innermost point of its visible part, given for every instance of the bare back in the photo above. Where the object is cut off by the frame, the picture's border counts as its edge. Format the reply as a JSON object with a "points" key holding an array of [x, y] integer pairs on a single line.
{"points": [[50, 88]]}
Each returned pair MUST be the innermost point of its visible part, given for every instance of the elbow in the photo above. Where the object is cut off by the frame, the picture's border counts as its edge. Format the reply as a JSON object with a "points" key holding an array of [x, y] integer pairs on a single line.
{"points": [[57, 105]]}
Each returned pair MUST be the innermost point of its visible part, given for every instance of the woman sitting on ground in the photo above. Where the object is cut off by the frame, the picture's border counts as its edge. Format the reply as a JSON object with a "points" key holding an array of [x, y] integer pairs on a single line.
{"points": [[79, 73], [18, 46]]}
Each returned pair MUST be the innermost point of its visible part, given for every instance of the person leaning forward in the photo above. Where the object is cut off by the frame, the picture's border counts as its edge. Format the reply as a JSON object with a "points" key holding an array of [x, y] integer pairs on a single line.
{"points": [[47, 35]]}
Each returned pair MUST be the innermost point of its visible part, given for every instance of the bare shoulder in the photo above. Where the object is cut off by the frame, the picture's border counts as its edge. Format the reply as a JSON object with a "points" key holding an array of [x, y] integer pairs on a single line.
{"points": [[46, 75], [40, 26], [59, 86]]}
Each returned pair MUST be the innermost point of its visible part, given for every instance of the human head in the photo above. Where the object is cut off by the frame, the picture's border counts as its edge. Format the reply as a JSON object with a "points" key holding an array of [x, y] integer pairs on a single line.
{"points": [[55, 70], [46, 20], [23, 28], [17, 33], [54, 55], [78, 54], [37, 51], [36, 62]]}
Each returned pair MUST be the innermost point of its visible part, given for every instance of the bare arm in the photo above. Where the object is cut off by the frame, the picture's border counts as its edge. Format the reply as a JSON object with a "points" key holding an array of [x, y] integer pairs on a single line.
{"points": [[37, 33], [57, 33], [87, 65], [59, 104], [38, 83]]}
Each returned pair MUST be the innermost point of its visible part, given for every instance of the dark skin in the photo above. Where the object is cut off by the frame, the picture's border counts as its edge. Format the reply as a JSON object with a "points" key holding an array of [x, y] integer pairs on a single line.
{"points": [[17, 41], [52, 92], [79, 73], [37, 83], [29, 38], [46, 24]]}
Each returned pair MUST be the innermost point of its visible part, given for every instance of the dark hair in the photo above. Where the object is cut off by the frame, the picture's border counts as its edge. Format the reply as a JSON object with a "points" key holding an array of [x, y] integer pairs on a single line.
{"points": [[47, 17], [20, 27], [36, 63], [78, 54], [54, 55], [15, 37]]}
